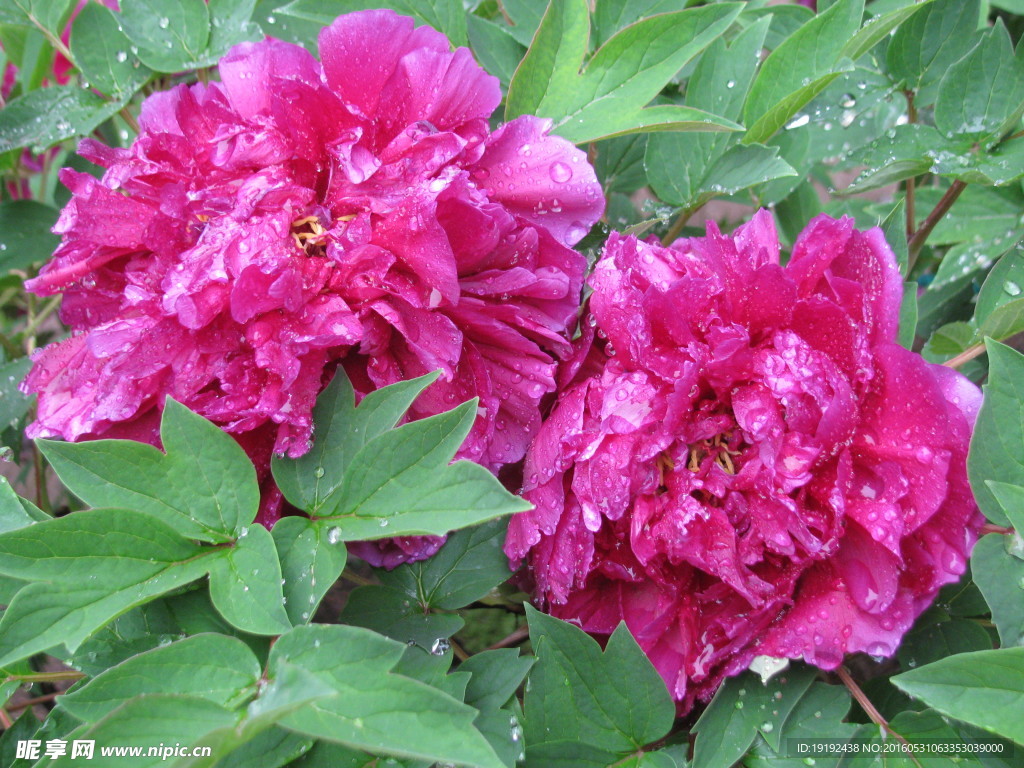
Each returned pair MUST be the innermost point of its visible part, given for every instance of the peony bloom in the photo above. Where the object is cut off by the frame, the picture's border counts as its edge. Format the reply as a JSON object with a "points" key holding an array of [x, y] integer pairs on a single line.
{"points": [[301, 215], [745, 462]]}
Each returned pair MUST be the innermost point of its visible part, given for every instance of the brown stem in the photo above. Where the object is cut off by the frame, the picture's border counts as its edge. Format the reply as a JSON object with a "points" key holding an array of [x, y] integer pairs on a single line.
{"points": [[966, 356], [993, 528], [909, 199], [31, 702], [129, 118], [513, 638], [917, 240], [5, 719], [458, 650], [871, 711], [46, 677], [677, 226]]}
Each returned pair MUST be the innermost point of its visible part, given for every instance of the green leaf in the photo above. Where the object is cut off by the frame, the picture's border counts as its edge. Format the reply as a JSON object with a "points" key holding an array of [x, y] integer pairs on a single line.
{"points": [[1004, 283], [740, 709], [41, 118], [395, 613], [401, 484], [1011, 499], [924, 645], [272, 748], [608, 98], [495, 48], [310, 564], [448, 16], [376, 710], [546, 78], [469, 565], [614, 701], [799, 69], [984, 688], [245, 584], [103, 53], [26, 237], [997, 445], [1004, 321], [13, 403], [908, 315], [91, 566], [204, 486], [342, 430], [217, 668], [155, 719], [496, 675], [230, 23], [171, 35], [50, 15], [12, 514], [923, 49], [877, 28], [820, 713], [612, 15], [999, 576], [949, 341], [967, 104]]}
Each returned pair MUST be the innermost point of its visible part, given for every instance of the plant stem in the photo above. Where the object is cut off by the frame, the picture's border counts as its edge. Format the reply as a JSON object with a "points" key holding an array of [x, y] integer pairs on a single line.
{"points": [[5, 719], [516, 636], [129, 118], [40, 317], [993, 528], [677, 226], [909, 199], [355, 578], [966, 356], [871, 711], [46, 677], [31, 702], [917, 240]]}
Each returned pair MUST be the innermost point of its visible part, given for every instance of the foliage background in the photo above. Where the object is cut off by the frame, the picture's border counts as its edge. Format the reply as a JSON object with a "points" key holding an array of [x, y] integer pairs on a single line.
{"points": [[177, 621]]}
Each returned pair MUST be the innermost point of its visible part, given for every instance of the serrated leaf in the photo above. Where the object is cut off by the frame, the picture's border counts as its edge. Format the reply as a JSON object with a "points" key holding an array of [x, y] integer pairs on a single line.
{"points": [[25, 234], [469, 565], [613, 701], [401, 484], [998, 575], [217, 668], [342, 430], [923, 48], [448, 16], [310, 564], [997, 445], [171, 35], [967, 104], [230, 23], [86, 569], [984, 688], [799, 69], [204, 486], [245, 584], [735, 715], [12, 514], [103, 53], [41, 118], [376, 710]]}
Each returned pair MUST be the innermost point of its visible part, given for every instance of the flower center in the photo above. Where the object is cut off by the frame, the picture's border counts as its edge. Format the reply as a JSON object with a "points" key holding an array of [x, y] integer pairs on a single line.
{"points": [[718, 448], [309, 235]]}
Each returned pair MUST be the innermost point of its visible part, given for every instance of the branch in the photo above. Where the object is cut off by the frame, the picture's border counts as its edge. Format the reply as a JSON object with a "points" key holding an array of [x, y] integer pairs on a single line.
{"points": [[918, 239]]}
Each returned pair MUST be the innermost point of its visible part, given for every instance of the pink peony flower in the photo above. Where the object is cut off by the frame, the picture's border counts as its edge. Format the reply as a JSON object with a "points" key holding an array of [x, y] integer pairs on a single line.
{"points": [[745, 462], [299, 215]]}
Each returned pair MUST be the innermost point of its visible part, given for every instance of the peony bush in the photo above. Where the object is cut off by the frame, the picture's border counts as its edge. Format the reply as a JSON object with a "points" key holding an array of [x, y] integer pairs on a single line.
{"points": [[494, 384]]}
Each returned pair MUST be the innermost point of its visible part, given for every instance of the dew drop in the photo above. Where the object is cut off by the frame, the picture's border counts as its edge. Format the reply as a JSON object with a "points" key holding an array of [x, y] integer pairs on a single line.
{"points": [[560, 172]]}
